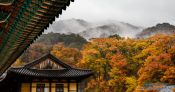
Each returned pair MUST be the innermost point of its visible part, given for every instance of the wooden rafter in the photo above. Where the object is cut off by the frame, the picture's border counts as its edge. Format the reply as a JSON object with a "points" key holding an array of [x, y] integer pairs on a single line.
{"points": [[27, 20]]}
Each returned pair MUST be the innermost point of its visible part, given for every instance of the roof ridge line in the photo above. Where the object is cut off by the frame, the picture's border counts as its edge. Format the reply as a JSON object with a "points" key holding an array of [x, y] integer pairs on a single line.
{"points": [[44, 57]]}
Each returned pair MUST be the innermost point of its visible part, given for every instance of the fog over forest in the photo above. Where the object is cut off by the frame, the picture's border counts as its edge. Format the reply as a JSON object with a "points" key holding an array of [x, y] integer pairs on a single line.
{"points": [[143, 13]]}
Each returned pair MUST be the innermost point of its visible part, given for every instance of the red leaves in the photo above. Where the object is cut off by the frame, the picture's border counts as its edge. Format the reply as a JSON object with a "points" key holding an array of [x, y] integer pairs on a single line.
{"points": [[158, 61], [69, 55], [118, 61], [169, 75]]}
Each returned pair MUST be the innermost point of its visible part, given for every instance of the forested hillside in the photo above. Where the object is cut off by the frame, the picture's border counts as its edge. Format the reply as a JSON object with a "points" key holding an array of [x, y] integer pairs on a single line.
{"points": [[68, 45], [69, 40], [120, 65], [164, 28]]}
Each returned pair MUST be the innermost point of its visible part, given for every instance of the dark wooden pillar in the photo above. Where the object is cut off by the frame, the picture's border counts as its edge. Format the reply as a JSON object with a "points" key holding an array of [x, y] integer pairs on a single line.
{"points": [[77, 86], [30, 86], [68, 86], [50, 86], [19, 85]]}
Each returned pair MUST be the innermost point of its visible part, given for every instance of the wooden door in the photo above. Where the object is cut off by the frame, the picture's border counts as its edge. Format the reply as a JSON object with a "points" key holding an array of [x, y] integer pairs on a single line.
{"points": [[40, 87], [59, 88]]}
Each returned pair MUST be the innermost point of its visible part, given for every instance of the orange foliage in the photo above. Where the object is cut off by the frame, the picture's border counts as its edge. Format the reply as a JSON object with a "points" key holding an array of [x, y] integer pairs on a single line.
{"points": [[158, 59], [150, 91], [69, 55], [173, 89], [169, 75], [114, 60]]}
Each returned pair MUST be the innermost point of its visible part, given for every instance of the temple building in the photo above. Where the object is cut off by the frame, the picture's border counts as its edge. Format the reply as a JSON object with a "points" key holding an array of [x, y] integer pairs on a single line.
{"points": [[46, 74]]}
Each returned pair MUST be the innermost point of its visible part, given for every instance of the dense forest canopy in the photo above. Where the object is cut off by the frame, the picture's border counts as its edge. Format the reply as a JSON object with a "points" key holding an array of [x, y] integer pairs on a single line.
{"points": [[45, 43], [69, 40], [120, 65]]}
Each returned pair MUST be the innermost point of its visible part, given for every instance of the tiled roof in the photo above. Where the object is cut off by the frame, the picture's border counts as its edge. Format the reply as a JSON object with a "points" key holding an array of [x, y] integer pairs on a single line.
{"points": [[44, 57], [22, 22], [64, 73]]}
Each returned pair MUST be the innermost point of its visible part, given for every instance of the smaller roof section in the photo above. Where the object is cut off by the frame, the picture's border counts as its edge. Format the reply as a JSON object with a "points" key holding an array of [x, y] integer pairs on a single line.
{"points": [[47, 62], [48, 66]]}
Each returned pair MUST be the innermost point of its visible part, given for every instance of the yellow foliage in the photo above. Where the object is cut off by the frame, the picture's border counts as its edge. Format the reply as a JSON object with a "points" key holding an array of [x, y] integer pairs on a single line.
{"points": [[17, 63], [69, 55]]}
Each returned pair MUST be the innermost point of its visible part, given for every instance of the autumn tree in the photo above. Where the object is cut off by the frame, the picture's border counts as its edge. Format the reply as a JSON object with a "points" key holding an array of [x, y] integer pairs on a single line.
{"points": [[158, 60], [112, 61], [121, 65], [68, 55], [35, 51], [17, 63]]}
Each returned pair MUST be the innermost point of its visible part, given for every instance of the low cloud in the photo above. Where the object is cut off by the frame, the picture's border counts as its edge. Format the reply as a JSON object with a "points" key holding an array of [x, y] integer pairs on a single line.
{"points": [[138, 12]]}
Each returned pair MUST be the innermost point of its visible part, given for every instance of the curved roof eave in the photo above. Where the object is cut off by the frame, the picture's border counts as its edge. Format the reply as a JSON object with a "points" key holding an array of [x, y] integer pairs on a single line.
{"points": [[20, 30]]}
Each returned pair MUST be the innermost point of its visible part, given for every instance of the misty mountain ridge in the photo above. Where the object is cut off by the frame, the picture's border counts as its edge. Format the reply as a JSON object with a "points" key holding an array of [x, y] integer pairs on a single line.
{"points": [[164, 28], [69, 40], [107, 28], [68, 26], [90, 30]]}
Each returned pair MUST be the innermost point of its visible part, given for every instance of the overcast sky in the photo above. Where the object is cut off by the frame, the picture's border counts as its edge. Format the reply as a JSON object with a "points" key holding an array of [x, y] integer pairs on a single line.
{"points": [[138, 12]]}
